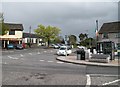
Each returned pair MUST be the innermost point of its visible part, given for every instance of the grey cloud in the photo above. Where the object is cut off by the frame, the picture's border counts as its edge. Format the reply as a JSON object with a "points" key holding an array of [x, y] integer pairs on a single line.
{"points": [[72, 18]]}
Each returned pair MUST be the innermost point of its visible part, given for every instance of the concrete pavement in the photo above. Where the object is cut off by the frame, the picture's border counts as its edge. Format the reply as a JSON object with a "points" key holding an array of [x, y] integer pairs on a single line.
{"points": [[73, 59]]}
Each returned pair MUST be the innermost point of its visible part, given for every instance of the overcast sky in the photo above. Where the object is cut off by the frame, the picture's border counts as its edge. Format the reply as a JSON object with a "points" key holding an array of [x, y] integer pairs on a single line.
{"points": [[70, 17]]}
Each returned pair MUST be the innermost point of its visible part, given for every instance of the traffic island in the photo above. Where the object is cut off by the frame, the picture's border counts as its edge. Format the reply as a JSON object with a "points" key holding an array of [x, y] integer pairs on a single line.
{"points": [[73, 60]]}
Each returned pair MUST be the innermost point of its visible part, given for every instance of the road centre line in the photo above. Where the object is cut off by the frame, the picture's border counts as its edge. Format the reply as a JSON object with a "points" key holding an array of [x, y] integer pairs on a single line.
{"points": [[10, 57], [111, 82], [49, 61], [42, 60], [88, 81]]}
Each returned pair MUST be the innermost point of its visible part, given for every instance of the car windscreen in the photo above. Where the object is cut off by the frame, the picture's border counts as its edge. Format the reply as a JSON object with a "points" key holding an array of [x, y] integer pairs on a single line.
{"points": [[10, 44], [62, 48]]}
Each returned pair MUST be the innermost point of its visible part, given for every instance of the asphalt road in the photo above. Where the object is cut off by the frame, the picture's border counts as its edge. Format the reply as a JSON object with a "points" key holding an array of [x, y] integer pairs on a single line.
{"points": [[38, 66]]}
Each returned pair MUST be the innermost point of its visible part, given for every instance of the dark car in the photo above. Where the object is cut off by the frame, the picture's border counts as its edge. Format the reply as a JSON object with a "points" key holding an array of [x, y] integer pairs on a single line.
{"points": [[19, 46], [10, 46]]}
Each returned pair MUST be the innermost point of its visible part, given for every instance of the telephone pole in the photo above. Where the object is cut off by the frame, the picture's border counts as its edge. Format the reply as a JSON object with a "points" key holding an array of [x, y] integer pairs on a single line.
{"points": [[96, 30], [30, 36]]}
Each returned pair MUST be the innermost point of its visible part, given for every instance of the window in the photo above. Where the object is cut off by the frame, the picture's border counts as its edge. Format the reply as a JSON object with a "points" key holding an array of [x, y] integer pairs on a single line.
{"points": [[118, 35], [12, 32], [118, 45], [36, 40], [105, 35]]}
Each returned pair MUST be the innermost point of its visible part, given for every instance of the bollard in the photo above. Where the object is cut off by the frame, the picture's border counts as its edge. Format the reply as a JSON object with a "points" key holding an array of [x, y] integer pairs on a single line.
{"points": [[78, 56]]}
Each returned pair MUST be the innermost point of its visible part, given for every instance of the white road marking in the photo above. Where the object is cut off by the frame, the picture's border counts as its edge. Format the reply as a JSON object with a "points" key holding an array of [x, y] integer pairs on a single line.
{"points": [[15, 58], [38, 53], [45, 51], [51, 51], [49, 61], [30, 53], [60, 62], [21, 55], [88, 81], [42, 60], [5, 63], [10, 57], [111, 82]]}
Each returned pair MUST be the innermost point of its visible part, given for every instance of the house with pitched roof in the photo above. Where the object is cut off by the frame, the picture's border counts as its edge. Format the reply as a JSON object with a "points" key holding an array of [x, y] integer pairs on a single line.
{"points": [[32, 38], [14, 34], [110, 32]]}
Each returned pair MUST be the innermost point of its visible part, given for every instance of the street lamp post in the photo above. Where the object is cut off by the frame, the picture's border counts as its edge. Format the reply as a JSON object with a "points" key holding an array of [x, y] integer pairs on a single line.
{"points": [[66, 44], [65, 39]]}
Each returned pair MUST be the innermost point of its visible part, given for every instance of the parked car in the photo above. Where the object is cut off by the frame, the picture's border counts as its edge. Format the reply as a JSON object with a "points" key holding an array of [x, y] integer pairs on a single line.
{"points": [[63, 50], [54, 46], [10, 46], [117, 51], [19, 46]]}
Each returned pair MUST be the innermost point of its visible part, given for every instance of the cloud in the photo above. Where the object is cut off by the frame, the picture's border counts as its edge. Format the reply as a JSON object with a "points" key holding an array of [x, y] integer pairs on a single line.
{"points": [[72, 18]]}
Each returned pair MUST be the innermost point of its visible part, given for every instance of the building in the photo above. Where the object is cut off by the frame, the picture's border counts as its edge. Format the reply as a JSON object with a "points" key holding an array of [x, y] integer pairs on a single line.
{"points": [[32, 38], [110, 32], [13, 36]]}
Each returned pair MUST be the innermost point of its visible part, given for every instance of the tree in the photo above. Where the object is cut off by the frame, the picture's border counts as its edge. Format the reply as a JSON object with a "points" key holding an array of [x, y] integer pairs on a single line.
{"points": [[47, 32], [3, 28], [88, 42], [83, 36], [72, 39], [59, 39]]}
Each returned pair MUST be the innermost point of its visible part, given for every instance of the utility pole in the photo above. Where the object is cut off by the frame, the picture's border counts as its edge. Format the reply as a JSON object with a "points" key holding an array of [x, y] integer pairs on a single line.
{"points": [[30, 36], [96, 30]]}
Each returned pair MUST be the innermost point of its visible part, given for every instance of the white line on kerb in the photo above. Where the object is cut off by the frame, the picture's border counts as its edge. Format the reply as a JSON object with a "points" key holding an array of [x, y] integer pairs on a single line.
{"points": [[88, 81], [60, 62], [106, 75], [112, 82]]}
